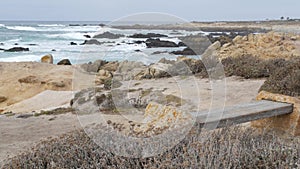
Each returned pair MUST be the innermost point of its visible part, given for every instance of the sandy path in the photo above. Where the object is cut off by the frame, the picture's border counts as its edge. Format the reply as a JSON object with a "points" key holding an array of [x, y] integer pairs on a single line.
{"points": [[46, 100]]}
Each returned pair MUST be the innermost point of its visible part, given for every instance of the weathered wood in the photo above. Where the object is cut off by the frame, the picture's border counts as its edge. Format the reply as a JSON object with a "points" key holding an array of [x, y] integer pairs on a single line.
{"points": [[243, 113]]}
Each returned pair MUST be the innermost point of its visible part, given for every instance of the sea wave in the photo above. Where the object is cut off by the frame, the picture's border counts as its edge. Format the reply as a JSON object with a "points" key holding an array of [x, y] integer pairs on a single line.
{"points": [[21, 28], [21, 58], [71, 35], [2, 25], [51, 25]]}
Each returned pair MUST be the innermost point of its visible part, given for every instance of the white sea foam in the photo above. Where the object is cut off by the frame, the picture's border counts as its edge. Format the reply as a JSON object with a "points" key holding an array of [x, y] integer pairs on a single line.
{"points": [[21, 58], [51, 25], [70, 36], [21, 28], [2, 25]]}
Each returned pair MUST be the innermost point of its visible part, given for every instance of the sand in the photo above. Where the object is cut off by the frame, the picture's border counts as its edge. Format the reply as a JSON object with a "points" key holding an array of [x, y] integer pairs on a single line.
{"points": [[43, 77]]}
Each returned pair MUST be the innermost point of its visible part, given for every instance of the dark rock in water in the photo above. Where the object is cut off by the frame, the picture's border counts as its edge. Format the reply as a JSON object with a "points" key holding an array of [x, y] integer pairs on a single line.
{"points": [[102, 24], [156, 43], [2, 44], [93, 67], [74, 25], [64, 62], [186, 51], [16, 44], [17, 49], [181, 44], [198, 43], [175, 32], [148, 35], [73, 43], [53, 50], [1, 49], [32, 44], [87, 36], [137, 50], [139, 42], [159, 52], [91, 42], [108, 35]]}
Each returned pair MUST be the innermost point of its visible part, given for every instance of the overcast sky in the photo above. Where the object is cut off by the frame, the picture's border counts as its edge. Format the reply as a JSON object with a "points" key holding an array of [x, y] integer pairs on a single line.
{"points": [[107, 10]]}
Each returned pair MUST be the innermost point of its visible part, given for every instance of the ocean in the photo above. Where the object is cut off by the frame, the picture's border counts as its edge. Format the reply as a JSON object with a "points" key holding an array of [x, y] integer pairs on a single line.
{"points": [[55, 37]]}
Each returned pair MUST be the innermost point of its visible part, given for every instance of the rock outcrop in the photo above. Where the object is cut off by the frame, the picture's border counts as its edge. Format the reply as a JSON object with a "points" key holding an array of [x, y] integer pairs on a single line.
{"points": [[185, 51], [148, 35], [47, 59], [159, 117], [102, 76], [285, 124], [91, 42], [198, 43], [128, 69], [156, 43], [93, 66], [164, 68], [108, 35], [17, 49], [111, 66], [265, 46]]}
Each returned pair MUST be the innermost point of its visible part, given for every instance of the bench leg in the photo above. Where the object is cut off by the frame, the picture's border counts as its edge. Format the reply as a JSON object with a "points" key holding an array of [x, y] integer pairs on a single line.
{"points": [[284, 124]]}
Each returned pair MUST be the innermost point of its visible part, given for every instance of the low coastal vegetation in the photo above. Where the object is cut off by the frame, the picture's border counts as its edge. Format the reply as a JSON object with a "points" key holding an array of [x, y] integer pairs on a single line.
{"points": [[234, 147]]}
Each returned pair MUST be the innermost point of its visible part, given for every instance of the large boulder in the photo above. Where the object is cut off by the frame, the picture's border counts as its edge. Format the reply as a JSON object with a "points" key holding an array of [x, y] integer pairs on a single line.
{"points": [[158, 70], [185, 51], [148, 35], [108, 35], [156, 43], [47, 59], [198, 43], [64, 62], [161, 70], [17, 49], [103, 76], [128, 69], [111, 66], [93, 66], [158, 117]]}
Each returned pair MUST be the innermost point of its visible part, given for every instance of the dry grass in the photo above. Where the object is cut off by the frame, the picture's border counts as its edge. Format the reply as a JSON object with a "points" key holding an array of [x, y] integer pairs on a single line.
{"points": [[233, 147]]}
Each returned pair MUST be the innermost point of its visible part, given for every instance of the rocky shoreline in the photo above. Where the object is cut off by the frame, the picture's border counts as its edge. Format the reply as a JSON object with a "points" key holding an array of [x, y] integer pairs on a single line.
{"points": [[250, 62]]}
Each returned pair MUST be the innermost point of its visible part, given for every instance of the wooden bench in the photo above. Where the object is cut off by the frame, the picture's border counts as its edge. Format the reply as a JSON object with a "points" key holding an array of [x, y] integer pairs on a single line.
{"points": [[242, 113]]}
